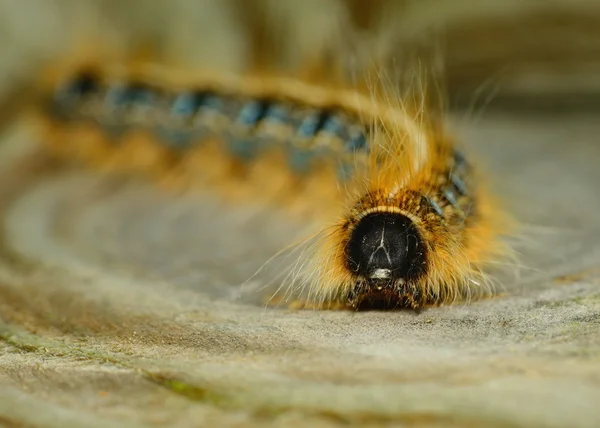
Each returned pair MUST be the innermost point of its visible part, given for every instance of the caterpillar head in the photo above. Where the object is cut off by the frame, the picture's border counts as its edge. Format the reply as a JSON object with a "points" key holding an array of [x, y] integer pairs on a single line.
{"points": [[386, 254]]}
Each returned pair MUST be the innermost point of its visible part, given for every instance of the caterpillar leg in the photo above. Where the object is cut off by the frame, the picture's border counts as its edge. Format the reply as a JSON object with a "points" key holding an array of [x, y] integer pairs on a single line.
{"points": [[400, 217]]}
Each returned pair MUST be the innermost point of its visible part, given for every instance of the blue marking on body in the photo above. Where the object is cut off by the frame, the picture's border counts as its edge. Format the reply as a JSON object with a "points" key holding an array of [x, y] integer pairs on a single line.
{"points": [[356, 142], [186, 104], [333, 125], [133, 95], [251, 113], [459, 160], [274, 120], [215, 109], [310, 125], [192, 115], [145, 96], [184, 107], [459, 184], [433, 204], [117, 96], [211, 101], [246, 146], [449, 195], [277, 114]]}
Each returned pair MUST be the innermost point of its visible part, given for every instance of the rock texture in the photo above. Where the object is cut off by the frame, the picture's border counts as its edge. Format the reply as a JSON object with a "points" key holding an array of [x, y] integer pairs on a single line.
{"points": [[117, 310]]}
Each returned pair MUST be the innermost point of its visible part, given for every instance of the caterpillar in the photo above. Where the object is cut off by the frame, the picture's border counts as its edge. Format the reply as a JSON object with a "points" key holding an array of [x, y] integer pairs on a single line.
{"points": [[401, 217]]}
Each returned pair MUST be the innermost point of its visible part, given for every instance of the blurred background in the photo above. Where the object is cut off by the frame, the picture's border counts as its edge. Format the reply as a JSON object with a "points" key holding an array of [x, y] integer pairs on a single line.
{"points": [[538, 53]]}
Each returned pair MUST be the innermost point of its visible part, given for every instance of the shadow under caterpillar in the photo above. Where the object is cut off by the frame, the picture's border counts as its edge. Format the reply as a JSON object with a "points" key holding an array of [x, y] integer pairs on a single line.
{"points": [[403, 218]]}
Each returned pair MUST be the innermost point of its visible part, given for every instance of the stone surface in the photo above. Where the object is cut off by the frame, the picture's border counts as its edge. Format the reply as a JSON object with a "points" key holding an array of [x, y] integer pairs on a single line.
{"points": [[121, 305]]}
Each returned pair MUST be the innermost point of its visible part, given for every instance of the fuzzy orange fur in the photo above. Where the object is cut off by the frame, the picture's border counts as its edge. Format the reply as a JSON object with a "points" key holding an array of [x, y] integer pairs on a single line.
{"points": [[410, 156]]}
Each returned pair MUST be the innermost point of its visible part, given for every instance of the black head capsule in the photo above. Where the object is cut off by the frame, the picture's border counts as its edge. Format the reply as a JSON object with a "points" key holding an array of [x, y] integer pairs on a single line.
{"points": [[386, 251]]}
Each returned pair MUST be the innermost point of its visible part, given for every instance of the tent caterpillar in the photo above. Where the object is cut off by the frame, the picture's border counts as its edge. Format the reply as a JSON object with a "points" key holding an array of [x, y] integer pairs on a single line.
{"points": [[405, 219]]}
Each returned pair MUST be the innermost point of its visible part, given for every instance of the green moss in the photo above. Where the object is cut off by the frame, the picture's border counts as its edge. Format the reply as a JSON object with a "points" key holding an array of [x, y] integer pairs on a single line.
{"points": [[22, 341], [192, 392], [28, 342]]}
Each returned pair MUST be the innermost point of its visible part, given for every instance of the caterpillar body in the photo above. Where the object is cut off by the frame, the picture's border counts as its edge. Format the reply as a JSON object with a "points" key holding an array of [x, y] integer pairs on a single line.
{"points": [[403, 218]]}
